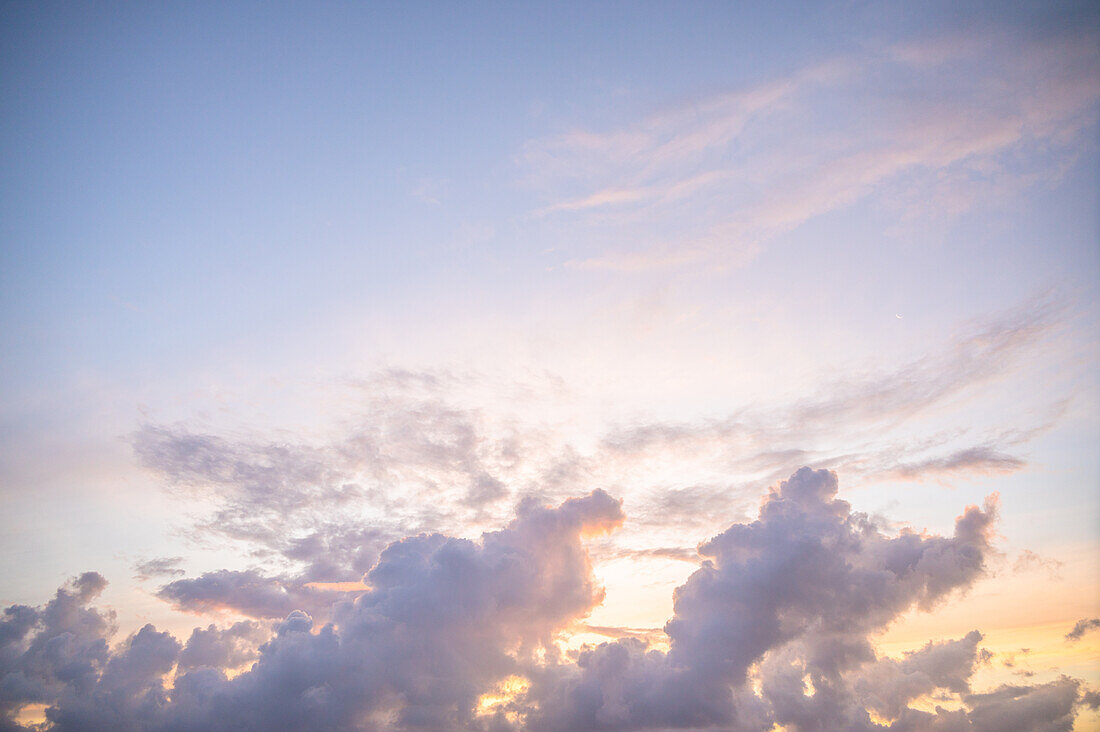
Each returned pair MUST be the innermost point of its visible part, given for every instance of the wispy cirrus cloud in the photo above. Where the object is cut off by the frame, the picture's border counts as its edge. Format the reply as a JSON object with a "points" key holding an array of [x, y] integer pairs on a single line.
{"points": [[941, 123], [1029, 561], [762, 438], [158, 567], [416, 457], [268, 490], [981, 460]]}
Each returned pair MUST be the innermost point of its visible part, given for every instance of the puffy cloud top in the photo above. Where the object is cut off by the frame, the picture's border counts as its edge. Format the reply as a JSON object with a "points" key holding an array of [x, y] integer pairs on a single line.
{"points": [[773, 628]]}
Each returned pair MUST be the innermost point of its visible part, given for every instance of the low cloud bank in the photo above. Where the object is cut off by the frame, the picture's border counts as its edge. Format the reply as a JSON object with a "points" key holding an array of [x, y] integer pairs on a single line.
{"points": [[773, 628]]}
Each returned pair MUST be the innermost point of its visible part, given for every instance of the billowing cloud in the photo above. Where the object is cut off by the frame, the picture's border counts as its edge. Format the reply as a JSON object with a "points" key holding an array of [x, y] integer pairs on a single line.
{"points": [[128, 694], [444, 619], [1041, 707], [223, 648], [50, 651], [794, 595], [774, 627]]}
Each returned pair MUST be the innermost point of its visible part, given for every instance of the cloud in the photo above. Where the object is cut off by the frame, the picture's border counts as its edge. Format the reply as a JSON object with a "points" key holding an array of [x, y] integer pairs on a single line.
{"points": [[247, 592], [264, 477], [223, 648], [128, 694], [335, 552], [414, 456], [980, 460], [982, 352], [1043, 707], [678, 553], [46, 651], [863, 409], [158, 567], [405, 435], [900, 126], [773, 627], [1081, 627], [888, 685], [1028, 561], [408, 461], [789, 602], [443, 619], [804, 585], [440, 623]]}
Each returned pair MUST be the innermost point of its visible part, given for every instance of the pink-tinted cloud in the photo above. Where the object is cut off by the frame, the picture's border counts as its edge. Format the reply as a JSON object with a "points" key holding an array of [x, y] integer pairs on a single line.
{"points": [[780, 604]]}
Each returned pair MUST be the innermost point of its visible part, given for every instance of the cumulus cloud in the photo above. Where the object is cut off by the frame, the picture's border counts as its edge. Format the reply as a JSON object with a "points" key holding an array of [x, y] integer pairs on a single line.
{"points": [[56, 649], [774, 627], [128, 694], [1041, 707], [223, 648], [794, 595], [444, 619]]}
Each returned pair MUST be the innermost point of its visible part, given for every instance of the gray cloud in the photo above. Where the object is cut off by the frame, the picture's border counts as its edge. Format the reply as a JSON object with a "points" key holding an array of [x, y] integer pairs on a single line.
{"points": [[55, 649], [1043, 707], [248, 592], [264, 477], [982, 460], [443, 619], [158, 567], [802, 587], [1081, 627], [410, 438], [223, 648], [410, 459], [334, 552], [774, 627], [128, 694]]}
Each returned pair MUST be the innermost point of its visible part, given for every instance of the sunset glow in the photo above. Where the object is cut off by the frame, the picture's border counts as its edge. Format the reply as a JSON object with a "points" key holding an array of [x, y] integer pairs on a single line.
{"points": [[550, 366]]}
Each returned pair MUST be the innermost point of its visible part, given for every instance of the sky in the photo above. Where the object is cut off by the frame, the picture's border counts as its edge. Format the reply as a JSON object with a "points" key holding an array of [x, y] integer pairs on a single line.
{"points": [[550, 366]]}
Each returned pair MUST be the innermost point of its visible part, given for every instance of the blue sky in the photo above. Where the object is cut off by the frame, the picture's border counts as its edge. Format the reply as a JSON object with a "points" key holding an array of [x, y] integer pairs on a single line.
{"points": [[340, 273]]}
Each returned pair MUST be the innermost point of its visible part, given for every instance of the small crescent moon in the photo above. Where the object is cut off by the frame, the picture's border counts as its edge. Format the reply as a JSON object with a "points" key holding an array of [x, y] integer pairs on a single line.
{"points": [[897, 316]]}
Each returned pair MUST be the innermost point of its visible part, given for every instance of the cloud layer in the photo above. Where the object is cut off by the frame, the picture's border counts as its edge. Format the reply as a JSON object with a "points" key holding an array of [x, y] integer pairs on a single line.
{"points": [[774, 627], [413, 457]]}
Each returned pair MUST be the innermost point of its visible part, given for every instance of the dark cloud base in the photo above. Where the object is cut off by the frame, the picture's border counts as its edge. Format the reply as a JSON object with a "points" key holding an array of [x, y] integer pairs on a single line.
{"points": [[773, 628]]}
